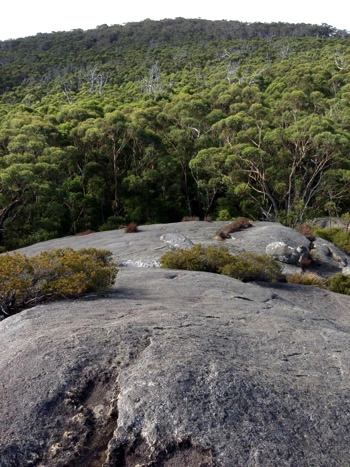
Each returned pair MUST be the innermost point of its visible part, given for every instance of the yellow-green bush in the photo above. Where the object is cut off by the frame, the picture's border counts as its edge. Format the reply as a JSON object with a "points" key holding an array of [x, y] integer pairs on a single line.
{"points": [[191, 260], [244, 266], [339, 283], [252, 267], [339, 237], [26, 281], [307, 279]]}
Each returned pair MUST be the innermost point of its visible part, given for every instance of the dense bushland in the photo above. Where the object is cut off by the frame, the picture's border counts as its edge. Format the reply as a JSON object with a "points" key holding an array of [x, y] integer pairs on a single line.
{"points": [[156, 121], [26, 281]]}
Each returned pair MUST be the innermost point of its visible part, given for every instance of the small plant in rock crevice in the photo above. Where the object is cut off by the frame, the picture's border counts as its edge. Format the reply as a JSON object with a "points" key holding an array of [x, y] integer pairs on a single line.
{"points": [[307, 279], [131, 228]]}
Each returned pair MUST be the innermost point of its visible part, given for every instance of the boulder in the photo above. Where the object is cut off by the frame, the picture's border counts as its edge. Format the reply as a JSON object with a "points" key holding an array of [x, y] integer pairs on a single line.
{"points": [[262, 234], [326, 222], [176, 241], [328, 258], [282, 252]]}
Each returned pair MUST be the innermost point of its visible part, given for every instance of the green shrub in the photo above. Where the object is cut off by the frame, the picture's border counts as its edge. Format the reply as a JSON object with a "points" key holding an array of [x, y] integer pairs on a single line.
{"points": [[340, 283], [223, 215], [244, 266], [191, 260], [252, 267], [112, 223], [327, 234], [342, 240], [338, 236], [27, 281], [307, 279]]}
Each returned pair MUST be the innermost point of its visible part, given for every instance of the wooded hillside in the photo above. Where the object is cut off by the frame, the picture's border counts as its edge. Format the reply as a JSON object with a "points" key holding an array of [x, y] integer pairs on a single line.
{"points": [[153, 121]]}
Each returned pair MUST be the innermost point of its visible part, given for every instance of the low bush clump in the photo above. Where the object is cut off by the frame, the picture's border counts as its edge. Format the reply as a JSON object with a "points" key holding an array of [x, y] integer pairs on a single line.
{"points": [[26, 281], [244, 266], [338, 236], [252, 267], [339, 283], [307, 279], [131, 228]]}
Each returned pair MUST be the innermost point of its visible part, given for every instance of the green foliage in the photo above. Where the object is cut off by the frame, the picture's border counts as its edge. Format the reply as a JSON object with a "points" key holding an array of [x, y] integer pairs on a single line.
{"points": [[26, 281], [340, 283], [192, 260], [223, 215], [245, 266], [112, 223], [252, 267], [307, 279], [154, 121], [338, 236]]}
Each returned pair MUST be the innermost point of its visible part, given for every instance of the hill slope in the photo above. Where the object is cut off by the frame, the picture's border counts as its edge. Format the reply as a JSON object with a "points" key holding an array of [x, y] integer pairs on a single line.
{"points": [[152, 121]]}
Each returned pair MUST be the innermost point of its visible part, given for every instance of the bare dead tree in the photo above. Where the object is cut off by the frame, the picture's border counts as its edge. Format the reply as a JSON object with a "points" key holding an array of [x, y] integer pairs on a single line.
{"points": [[153, 84]]}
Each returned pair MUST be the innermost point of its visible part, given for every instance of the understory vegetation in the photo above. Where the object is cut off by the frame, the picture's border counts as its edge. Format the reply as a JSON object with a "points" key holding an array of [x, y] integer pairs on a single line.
{"points": [[64, 273], [160, 120]]}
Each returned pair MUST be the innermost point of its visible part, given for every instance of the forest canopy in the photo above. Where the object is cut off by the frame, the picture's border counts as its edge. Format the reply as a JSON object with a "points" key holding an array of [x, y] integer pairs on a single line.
{"points": [[152, 121]]}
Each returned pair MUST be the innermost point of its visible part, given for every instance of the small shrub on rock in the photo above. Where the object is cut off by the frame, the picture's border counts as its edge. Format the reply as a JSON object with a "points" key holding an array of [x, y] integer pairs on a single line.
{"points": [[339, 283], [223, 215], [252, 267], [191, 259], [342, 240], [131, 228], [307, 231], [245, 266], [307, 279], [27, 281], [239, 224]]}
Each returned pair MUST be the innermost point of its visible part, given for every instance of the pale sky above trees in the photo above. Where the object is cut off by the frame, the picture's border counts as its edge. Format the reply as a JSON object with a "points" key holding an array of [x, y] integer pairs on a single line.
{"points": [[27, 17]]}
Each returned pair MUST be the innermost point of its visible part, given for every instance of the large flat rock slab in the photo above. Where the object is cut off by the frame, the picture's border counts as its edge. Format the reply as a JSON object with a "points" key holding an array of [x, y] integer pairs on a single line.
{"points": [[178, 368], [146, 244]]}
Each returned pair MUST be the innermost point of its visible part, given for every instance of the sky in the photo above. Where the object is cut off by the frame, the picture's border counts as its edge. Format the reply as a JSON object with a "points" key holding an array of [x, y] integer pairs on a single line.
{"points": [[20, 18]]}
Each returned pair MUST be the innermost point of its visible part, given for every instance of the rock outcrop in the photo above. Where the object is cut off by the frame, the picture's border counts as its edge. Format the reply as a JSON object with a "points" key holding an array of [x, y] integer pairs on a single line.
{"points": [[177, 368]]}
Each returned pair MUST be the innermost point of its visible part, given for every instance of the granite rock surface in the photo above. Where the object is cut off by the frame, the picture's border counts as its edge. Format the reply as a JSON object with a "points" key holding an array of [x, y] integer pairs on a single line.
{"points": [[177, 368]]}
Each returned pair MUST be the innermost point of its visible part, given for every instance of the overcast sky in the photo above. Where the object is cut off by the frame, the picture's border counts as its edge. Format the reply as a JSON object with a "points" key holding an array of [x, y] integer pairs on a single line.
{"points": [[27, 17]]}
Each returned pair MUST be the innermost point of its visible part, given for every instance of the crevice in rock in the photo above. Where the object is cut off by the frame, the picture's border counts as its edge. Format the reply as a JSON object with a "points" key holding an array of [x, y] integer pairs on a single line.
{"points": [[175, 454], [94, 453], [244, 298]]}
